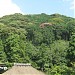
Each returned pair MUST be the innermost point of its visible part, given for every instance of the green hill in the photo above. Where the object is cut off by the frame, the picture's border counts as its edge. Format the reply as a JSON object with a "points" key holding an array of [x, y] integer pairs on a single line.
{"points": [[40, 39]]}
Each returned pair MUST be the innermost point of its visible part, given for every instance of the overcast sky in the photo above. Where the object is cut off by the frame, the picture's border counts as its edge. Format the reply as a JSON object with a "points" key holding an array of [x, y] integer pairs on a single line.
{"points": [[65, 7]]}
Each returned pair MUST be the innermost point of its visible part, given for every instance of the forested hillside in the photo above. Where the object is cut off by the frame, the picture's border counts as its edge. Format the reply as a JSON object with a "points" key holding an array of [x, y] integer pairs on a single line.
{"points": [[45, 41]]}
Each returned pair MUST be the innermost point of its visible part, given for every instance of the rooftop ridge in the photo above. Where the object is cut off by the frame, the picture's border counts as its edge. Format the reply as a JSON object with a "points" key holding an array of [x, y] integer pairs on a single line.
{"points": [[22, 64]]}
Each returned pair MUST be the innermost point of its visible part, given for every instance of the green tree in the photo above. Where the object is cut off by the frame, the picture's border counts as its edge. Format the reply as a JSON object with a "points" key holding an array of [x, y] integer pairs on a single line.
{"points": [[42, 56], [71, 50], [60, 70], [15, 48], [2, 53]]}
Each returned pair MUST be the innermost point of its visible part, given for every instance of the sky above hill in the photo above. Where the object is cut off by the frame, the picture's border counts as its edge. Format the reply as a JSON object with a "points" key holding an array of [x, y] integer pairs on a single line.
{"points": [[65, 7]]}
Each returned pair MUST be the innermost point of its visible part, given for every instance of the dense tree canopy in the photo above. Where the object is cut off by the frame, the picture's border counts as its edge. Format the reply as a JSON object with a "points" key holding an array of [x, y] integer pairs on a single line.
{"points": [[45, 41]]}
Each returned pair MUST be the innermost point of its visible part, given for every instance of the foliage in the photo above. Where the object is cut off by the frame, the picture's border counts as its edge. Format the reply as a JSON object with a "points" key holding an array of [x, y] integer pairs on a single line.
{"points": [[50, 48], [61, 70]]}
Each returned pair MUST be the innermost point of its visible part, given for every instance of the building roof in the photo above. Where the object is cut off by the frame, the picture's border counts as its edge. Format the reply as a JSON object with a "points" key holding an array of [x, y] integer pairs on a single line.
{"points": [[22, 64], [45, 24], [23, 69], [2, 64]]}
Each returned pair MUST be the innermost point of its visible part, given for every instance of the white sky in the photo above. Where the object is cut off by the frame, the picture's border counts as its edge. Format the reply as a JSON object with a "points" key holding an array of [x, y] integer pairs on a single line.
{"points": [[73, 6], [72, 3], [8, 7]]}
